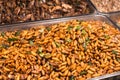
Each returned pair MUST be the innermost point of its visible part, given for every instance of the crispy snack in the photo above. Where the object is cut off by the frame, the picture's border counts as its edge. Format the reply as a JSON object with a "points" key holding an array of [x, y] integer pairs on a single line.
{"points": [[74, 50], [107, 5], [14, 11]]}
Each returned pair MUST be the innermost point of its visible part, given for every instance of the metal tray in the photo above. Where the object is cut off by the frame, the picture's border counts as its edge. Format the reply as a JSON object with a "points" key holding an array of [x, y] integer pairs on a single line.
{"points": [[99, 12], [92, 11], [114, 18], [19, 26], [22, 26], [112, 76]]}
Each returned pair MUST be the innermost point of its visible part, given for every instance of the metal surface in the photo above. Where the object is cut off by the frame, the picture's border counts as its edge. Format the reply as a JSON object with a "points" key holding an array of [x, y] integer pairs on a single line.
{"points": [[114, 18], [112, 76], [27, 25]]}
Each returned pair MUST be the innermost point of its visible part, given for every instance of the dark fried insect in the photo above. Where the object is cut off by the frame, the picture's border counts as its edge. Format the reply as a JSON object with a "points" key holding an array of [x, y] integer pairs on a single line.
{"points": [[14, 11]]}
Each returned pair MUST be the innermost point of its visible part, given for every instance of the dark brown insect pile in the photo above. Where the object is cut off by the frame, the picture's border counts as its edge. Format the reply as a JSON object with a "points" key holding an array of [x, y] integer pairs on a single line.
{"points": [[13, 11]]}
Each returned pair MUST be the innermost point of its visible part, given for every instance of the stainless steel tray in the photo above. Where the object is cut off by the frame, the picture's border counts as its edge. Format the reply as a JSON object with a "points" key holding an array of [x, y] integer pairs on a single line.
{"points": [[22, 26], [112, 76], [114, 18], [27, 25]]}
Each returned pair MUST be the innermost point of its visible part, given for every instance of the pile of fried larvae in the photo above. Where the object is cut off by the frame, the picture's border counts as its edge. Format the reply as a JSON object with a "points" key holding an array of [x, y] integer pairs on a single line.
{"points": [[73, 50]]}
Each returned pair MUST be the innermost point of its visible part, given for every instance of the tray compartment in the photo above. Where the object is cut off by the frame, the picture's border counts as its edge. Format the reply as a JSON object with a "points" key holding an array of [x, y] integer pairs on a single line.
{"points": [[115, 17], [23, 26], [27, 11], [102, 7]]}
